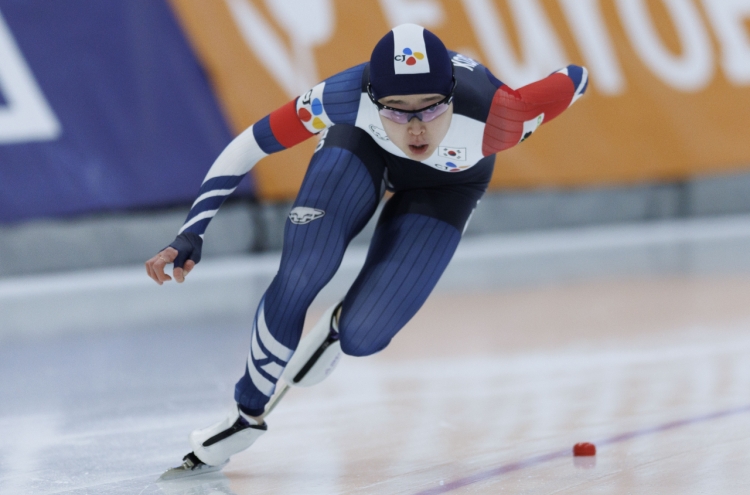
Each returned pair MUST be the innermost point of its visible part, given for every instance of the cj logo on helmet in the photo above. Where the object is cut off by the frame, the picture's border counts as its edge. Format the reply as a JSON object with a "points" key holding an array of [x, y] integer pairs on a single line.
{"points": [[303, 214], [409, 57]]}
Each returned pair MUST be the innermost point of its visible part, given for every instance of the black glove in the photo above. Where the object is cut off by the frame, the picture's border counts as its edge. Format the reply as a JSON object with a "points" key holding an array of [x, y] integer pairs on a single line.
{"points": [[188, 246]]}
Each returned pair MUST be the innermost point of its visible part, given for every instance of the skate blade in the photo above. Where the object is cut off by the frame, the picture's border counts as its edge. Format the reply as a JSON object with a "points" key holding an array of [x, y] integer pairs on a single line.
{"points": [[181, 472]]}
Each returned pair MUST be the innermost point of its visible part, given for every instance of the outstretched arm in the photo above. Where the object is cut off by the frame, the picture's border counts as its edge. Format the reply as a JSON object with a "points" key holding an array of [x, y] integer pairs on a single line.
{"points": [[331, 102], [280, 130], [516, 114], [277, 131]]}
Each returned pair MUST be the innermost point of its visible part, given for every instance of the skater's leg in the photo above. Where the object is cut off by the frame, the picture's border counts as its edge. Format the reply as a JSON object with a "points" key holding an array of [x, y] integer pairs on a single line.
{"points": [[415, 240], [338, 196]]}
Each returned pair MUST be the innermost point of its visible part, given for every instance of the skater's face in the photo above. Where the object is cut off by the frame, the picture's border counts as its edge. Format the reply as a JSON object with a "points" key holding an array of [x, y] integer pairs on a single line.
{"points": [[420, 136]]}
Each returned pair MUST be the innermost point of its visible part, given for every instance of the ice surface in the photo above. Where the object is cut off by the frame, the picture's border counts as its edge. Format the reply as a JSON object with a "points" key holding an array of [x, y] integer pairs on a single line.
{"points": [[489, 378]]}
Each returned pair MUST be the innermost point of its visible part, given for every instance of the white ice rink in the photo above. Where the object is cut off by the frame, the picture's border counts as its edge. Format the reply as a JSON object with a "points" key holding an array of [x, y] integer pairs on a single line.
{"points": [[636, 338]]}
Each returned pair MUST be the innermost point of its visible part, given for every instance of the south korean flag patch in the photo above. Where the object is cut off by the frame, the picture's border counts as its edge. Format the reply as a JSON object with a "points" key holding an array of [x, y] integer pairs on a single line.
{"points": [[409, 50], [458, 154]]}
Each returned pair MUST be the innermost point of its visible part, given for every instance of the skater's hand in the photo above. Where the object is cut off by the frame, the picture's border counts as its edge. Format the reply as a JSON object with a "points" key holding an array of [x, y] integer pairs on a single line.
{"points": [[155, 267], [184, 252]]}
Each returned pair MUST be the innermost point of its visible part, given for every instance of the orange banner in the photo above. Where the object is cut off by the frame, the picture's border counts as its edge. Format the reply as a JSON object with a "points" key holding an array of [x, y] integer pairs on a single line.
{"points": [[668, 99]]}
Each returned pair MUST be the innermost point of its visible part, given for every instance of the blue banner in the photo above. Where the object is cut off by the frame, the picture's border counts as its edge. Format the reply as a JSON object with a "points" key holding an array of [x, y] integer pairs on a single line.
{"points": [[103, 106]]}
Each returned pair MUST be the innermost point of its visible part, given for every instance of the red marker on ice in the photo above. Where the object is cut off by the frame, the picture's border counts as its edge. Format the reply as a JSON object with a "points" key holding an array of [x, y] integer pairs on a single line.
{"points": [[584, 449]]}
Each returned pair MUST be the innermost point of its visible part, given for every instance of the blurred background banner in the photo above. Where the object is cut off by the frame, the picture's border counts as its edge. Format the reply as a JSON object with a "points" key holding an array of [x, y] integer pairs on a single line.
{"points": [[670, 79], [126, 103], [103, 106]]}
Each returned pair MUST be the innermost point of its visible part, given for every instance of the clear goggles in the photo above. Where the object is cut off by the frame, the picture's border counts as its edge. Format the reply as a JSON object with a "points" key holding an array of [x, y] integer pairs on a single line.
{"points": [[425, 114]]}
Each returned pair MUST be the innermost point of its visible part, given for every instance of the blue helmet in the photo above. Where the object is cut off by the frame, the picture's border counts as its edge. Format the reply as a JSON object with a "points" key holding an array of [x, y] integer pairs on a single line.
{"points": [[410, 60]]}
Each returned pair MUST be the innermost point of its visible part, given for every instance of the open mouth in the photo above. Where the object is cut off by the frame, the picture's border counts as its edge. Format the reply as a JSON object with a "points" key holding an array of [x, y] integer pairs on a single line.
{"points": [[418, 149]]}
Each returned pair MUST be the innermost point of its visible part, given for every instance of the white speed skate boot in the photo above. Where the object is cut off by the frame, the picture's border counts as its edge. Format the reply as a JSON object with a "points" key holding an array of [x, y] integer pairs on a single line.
{"points": [[316, 356], [213, 446]]}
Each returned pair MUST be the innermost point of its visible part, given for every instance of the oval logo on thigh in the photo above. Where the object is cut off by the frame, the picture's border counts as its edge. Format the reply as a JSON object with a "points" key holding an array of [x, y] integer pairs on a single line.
{"points": [[303, 214]]}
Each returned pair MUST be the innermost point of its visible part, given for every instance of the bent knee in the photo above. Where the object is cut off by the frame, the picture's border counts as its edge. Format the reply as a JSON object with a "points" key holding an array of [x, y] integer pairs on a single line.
{"points": [[359, 350], [353, 344]]}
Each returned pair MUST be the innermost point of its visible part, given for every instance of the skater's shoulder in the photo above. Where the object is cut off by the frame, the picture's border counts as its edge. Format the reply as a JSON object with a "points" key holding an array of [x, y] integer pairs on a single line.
{"points": [[475, 87]]}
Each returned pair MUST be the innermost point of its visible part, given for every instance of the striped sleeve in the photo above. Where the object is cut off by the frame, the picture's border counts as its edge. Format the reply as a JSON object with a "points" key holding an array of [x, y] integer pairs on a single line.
{"points": [[334, 101], [223, 178], [516, 114]]}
